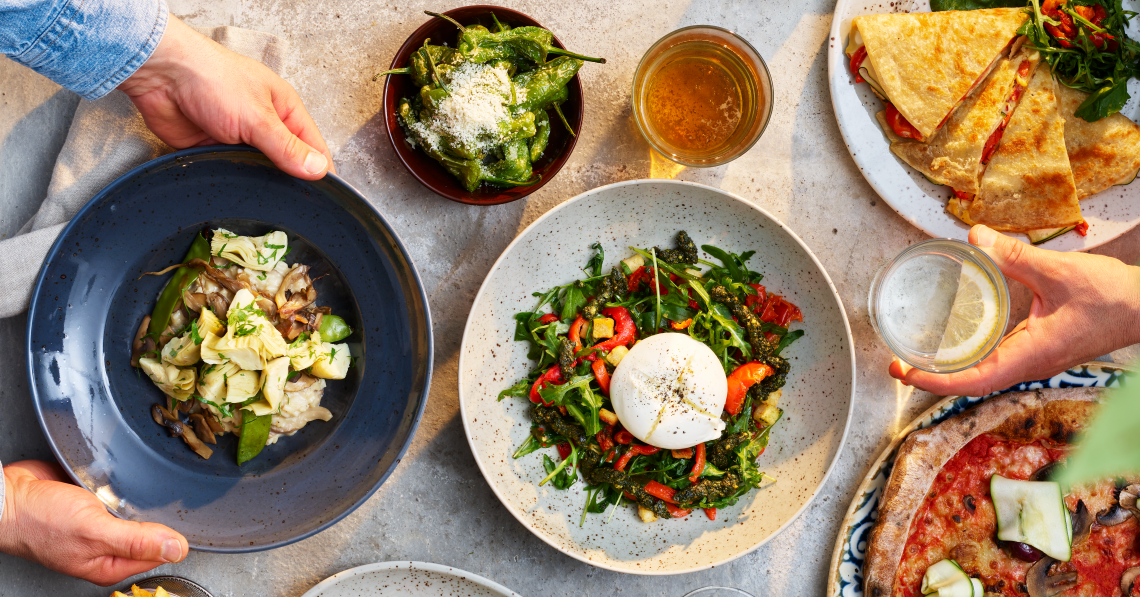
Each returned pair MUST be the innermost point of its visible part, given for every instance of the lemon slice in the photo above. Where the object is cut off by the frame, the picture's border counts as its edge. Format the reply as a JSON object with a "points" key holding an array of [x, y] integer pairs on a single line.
{"points": [[973, 317]]}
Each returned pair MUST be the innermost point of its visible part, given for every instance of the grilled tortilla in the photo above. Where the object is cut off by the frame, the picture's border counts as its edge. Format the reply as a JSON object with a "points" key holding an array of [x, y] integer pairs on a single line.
{"points": [[1102, 153], [1028, 184], [926, 63], [954, 155]]}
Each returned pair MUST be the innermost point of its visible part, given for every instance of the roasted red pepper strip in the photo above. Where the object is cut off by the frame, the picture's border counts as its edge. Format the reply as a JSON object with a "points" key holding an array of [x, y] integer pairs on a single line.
{"points": [[623, 437], [661, 492], [605, 438], [624, 460], [740, 380], [756, 301], [564, 450], [553, 376], [857, 58], [686, 453], [711, 513], [1082, 228], [699, 463], [900, 125], [624, 331], [644, 450], [548, 318], [575, 334], [677, 512], [603, 376], [779, 311]]}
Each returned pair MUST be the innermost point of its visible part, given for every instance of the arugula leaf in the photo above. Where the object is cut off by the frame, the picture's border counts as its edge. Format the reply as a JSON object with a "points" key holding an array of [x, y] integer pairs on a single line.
{"points": [[530, 445], [676, 313], [939, 5], [572, 302], [730, 261], [594, 265], [1104, 102], [788, 339], [519, 390], [723, 316]]}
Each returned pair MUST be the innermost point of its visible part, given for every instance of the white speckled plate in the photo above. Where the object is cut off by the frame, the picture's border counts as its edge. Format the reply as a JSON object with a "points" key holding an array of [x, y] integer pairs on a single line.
{"points": [[407, 579], [1109, 213], [846, 576], [818, 398]]}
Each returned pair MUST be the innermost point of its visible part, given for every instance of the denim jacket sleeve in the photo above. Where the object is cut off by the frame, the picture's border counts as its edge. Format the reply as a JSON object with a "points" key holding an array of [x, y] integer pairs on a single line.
{"points": [[88, 46]]}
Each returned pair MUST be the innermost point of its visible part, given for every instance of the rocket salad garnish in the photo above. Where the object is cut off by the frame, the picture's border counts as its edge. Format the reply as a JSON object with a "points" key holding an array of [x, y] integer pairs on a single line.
{"points": [[590, 327], [1086, 46]]}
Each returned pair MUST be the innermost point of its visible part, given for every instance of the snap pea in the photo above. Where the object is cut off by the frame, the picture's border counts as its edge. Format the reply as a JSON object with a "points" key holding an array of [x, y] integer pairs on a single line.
{"points": [[538, 143], [178, 283], [333, 328], [254, 434]]}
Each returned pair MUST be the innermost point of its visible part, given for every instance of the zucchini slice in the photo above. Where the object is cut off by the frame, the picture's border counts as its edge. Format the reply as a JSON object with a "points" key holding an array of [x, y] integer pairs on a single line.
{"points": [[942, 574], [1039, 236], [1033, 512]]}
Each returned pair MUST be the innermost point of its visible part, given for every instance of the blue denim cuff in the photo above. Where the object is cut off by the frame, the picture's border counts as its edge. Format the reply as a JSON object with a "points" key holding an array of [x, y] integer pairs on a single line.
{"points": [[88, 46]]}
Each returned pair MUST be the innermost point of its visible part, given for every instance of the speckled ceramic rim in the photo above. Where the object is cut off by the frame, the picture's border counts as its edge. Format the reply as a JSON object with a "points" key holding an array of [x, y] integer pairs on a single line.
{"points": [[846, 329], [200, 151], [764, 85], [841, 536], [333, 580]]}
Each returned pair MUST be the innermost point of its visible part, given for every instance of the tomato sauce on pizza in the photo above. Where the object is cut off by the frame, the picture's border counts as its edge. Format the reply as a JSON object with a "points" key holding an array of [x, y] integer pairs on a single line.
{"points": [[956, 520]]}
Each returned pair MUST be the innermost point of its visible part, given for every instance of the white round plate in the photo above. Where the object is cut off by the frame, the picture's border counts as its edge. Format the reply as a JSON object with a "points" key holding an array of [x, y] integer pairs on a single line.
{"points": [[408, 579], [818, 398], [1109, 213], [845, 578]]}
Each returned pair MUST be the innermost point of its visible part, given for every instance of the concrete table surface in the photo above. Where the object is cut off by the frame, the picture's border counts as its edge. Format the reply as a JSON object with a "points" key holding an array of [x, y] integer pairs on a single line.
{"points": [[436, 507]]}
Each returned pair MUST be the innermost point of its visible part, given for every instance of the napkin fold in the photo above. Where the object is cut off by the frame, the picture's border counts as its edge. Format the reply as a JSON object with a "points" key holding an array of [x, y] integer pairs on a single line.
{"points": [[107, 139]]}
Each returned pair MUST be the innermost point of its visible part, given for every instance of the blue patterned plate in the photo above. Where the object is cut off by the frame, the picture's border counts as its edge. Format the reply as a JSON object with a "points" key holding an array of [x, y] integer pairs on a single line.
{"points": [[846, 576]]}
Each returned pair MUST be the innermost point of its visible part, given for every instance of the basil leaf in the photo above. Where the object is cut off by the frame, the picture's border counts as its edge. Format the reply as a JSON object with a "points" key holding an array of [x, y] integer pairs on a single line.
{"points": [[1108, 446]]}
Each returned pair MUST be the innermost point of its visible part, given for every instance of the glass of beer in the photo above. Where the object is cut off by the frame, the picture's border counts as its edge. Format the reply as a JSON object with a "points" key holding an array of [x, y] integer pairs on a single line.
{"points": [[702, 96]]}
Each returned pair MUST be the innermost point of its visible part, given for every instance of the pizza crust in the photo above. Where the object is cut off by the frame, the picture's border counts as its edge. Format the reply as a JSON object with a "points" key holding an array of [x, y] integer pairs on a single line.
{"points": [[1055, 414]]}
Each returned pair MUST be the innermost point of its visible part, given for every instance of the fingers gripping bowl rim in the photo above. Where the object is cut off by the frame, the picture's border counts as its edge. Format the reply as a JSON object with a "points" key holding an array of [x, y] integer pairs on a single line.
{"points": [[645, 213], [429, 172]]}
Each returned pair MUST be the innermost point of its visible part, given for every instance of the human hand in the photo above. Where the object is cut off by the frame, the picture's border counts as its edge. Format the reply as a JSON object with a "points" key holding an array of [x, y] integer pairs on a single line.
{"points": [[1084, 306], [48, 520], [192, 92]]}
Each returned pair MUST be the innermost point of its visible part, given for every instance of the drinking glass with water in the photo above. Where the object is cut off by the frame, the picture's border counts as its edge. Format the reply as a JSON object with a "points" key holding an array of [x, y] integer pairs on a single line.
{"points": [[942, 305]]}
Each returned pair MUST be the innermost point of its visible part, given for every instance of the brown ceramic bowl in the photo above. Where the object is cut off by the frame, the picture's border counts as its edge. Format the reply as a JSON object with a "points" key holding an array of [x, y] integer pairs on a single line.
{"points": [[430, 172]]}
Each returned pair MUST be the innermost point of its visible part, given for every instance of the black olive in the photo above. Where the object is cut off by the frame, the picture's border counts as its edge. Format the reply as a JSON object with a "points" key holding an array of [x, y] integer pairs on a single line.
{"points": [[1024, 552], [1021, 588], [175, 428], [969, 502]]}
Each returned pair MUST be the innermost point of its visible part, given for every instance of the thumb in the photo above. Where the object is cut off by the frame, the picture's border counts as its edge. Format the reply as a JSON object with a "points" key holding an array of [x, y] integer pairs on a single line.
{"points": [[287, 151], [1021, 261], [142, 541]]}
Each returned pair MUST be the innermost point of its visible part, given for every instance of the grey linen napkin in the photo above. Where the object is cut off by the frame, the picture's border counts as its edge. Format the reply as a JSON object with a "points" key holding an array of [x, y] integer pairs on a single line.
{"points": [[107, 138]]}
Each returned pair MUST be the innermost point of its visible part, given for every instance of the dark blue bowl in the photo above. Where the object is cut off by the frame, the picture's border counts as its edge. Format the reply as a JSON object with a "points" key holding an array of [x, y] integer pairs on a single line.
{"points": [[94, 407]]}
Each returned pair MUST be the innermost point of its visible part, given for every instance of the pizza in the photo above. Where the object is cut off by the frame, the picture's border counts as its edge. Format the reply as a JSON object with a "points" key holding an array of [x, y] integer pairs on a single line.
{"points": [[948, 500]]}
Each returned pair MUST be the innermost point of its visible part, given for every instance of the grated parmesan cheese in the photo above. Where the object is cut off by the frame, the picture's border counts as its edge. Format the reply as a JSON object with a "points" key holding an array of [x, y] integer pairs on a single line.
{"points": [[474, 109]]}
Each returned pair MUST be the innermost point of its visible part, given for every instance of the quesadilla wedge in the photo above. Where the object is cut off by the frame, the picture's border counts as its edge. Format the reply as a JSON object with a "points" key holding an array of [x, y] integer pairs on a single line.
{"points": [[924, 64], [1028, 184], [957, 154], [1102, 153]]}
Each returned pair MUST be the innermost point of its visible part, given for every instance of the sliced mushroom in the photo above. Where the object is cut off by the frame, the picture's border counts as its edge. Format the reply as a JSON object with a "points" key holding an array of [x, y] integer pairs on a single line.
{"points": [[137, 345], [268, 307], [1112, 516], [218, 304], [156, 414], [215, 426], [195, 444], [175, 427], [1041, 584], [1044, 472], [300, 383], [202, 429], [297, 274], [194, 301], [220, 278], [1127, 499], [1128, 579], [1082, 522]]}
